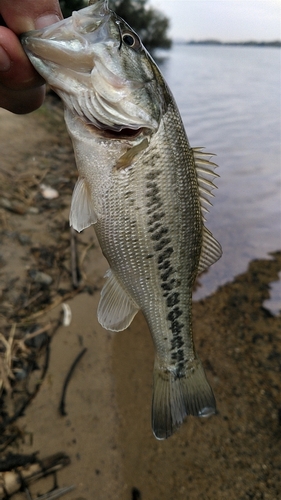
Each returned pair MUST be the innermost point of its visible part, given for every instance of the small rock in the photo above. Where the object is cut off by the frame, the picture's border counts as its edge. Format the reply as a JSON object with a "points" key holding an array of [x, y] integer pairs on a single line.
{"points": [[24, 239], [48, 192], [20, 374], [40, 277], [5, 203], [33, 210]]}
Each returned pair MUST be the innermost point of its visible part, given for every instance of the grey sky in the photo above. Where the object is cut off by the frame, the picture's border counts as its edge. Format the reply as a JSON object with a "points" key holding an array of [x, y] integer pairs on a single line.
{"points": [[227, 20]]}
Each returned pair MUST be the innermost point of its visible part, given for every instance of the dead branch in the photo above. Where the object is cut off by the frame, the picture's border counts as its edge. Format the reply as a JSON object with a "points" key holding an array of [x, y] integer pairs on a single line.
{"points": [[13, 480]]}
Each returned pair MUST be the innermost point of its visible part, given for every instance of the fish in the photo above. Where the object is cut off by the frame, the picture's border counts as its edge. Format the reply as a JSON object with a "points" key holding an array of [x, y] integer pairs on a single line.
{"points": [[142, 186]]}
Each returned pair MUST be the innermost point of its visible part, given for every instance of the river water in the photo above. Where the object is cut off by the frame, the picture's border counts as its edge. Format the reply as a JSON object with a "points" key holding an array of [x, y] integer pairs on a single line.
{"points": [[229, 99]]}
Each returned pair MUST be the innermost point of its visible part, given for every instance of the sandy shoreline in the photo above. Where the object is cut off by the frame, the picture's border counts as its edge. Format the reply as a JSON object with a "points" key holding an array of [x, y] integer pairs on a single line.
{"points": [[106, 432]]}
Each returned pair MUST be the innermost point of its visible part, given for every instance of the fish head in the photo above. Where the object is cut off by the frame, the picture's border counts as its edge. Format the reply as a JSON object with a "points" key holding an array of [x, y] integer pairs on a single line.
{"points": [[97, 64]]}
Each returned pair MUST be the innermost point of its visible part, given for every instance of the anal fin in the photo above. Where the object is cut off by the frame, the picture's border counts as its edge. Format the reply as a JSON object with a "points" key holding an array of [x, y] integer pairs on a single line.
{"points": [[82, 213], [116, 309], [176, 397]]}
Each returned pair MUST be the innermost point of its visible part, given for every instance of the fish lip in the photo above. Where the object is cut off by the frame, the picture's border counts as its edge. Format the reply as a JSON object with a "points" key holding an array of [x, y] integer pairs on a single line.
{"points": [[90, 20]]}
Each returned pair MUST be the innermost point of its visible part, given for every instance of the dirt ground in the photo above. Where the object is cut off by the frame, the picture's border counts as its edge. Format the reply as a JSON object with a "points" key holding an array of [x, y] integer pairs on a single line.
{"points": [[106, 428]]}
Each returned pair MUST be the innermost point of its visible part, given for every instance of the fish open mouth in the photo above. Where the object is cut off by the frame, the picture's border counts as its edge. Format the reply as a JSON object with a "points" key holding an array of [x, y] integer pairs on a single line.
{"points": [[125, 133], [116, 132]]}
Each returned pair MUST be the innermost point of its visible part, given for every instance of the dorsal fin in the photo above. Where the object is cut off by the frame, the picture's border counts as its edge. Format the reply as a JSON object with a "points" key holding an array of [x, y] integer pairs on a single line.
{"points": [[211, 251], [205, 170]]}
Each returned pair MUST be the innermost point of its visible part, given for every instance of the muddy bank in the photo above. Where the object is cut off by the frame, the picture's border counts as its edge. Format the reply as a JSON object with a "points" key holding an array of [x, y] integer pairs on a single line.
{"points": [[106, 430]]}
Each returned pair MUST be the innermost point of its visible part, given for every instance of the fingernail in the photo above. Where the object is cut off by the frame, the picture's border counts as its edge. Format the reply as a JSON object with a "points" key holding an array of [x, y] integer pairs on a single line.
{"points": [[47, 20], [5, 61]]}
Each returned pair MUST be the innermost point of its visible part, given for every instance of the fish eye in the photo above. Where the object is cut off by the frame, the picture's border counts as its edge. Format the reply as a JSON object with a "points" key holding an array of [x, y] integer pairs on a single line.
{"points": [[130, 40]]}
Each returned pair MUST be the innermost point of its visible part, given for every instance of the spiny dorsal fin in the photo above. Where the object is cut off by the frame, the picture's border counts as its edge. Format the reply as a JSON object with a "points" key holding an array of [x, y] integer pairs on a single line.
{"points": [[82, 213], [205, 170], [116, 308], [211, 251]]}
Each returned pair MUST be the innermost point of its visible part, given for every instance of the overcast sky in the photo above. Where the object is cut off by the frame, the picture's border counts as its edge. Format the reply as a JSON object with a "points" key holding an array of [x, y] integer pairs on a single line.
{"points": [[226, 20]]}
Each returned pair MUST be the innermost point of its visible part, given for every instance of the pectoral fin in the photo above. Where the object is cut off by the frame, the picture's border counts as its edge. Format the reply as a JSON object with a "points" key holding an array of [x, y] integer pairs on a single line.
{"points": [[82, 213], [116, 308]]}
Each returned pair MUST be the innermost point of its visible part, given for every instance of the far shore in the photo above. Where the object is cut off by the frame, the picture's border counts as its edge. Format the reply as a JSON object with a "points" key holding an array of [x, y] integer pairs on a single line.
{"points": [[250, 43]]}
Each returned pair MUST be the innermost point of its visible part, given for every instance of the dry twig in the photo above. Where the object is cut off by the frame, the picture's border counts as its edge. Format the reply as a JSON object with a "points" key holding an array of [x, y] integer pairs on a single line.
{"points": [[54, 304], [12, 481], [6, 372]]}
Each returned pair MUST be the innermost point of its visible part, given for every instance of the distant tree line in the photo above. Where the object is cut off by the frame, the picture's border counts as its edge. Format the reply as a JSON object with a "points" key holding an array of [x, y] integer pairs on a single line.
{"points": [[68, 6], [150, 24], [250, 43]]}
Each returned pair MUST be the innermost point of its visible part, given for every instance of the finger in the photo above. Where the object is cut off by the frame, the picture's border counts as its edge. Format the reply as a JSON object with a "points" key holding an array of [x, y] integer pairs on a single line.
{"points": [[21, 88], [17, 72], [21, 101], [21, 16]]}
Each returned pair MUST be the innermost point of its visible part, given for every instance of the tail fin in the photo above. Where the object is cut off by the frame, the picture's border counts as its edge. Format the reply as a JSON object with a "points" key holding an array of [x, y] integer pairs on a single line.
{"points": [[175, 397]]}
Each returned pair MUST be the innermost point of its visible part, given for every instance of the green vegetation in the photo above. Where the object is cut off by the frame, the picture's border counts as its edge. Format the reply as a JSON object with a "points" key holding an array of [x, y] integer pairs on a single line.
{"points": [[150, 24]]}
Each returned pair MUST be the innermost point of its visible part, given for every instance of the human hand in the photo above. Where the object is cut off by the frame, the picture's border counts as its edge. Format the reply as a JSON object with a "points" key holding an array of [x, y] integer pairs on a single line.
{"points": [[21, 88]]}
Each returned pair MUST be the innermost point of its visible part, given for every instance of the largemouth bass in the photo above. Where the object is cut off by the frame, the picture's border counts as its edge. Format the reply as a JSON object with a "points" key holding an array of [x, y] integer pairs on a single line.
{"points": [[144, 189]]}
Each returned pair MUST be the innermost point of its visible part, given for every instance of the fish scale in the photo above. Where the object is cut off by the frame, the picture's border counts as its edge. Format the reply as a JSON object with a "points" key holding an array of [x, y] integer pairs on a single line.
{"points": [[137, 262], [142, 187]]}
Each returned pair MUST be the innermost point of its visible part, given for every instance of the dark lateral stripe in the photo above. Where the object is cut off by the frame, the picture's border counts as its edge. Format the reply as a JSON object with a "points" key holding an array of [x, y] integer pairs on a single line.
{"points": [[167, 273], [153, 175], [170, 286], [162, 243], [165, 265], [152, 185], [177, 342], [152, 229], [165, 255], [156, 216], [178, 356], [173, 299], [159, 234], [174, 314]]}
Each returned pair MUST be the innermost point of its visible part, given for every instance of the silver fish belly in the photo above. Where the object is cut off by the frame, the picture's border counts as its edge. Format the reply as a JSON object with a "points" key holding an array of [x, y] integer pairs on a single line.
{"points": [[144, 189]]}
